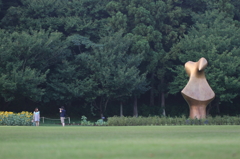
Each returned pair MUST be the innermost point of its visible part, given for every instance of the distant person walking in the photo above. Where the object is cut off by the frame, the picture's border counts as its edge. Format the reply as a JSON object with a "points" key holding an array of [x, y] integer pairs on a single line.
{"points": [[62, 115], [36, 116]]}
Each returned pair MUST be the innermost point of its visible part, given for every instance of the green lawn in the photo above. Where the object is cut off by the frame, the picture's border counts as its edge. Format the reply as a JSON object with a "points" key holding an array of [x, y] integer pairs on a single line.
{"points": [[70, 142]]}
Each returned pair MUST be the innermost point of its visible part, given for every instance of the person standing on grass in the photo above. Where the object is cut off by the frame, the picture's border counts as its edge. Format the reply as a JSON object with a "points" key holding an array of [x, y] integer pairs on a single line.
{"points": [[62, 115], [36, 116]]}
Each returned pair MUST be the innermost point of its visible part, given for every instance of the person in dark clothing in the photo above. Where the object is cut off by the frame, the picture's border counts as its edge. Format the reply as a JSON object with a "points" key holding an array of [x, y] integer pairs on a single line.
{"points": [[62, 115]]}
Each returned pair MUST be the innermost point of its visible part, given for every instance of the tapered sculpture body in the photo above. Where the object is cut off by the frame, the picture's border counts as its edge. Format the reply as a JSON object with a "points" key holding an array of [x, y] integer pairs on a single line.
{"points": [[197, 92]]}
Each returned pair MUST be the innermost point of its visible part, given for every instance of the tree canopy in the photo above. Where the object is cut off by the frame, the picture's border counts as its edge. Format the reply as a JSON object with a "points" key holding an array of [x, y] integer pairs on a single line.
{"points": [[98, 54]]}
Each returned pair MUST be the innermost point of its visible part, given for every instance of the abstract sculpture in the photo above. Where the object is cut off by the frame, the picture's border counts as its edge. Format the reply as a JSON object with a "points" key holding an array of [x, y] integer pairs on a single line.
{"points": [[197, 92]]}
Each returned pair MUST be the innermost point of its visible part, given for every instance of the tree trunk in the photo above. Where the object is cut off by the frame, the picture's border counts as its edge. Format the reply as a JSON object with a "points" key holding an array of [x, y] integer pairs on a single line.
{"points": [[152, 103], [163, 99], [100, 111], [101, 115], [121, 109], [209, 107], [135, 111], [163, 103], [102, 106], [105, 107], [218, 108]]}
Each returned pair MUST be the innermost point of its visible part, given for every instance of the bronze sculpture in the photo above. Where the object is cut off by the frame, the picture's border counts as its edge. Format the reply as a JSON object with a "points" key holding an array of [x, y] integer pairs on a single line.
{"points": [[197, 92]]}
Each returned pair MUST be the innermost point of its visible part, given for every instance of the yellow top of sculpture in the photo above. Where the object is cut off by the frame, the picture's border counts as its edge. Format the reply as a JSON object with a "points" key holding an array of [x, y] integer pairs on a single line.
{"points": [[197, 87]]}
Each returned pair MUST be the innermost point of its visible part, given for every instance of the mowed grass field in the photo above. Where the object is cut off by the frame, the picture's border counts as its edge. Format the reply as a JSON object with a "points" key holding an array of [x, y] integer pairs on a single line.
{"points": [[140, 142]]}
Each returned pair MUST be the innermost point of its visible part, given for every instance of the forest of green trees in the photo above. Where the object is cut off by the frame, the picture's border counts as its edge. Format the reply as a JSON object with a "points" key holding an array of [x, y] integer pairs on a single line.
{"points": [[116, 57]]}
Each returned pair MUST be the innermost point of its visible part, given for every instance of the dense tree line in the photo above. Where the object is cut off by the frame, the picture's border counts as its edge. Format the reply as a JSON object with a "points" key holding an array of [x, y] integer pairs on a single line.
{"points": [[116, 57]]}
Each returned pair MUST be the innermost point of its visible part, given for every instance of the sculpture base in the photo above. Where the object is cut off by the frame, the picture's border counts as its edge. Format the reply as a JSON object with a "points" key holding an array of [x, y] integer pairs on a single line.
{"points": [[197, 111], [197, 108]]}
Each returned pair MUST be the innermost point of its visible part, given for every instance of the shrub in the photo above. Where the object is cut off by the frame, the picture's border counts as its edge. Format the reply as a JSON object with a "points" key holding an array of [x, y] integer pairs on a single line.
{"points": [[100, 122], [156, 120], [84, 121], [20, 119]]}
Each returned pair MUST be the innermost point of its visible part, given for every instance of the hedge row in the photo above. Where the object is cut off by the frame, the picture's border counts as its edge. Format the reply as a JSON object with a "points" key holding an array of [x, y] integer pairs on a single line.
{"points": [[156, 120]]}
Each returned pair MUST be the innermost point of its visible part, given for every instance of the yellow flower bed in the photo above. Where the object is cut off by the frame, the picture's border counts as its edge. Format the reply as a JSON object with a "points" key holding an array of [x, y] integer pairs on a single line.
{"points": [[11, 118]]}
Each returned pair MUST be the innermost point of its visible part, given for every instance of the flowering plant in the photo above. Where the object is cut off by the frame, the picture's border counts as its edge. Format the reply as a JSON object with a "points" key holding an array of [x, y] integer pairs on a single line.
{"points": [[10, 118]]}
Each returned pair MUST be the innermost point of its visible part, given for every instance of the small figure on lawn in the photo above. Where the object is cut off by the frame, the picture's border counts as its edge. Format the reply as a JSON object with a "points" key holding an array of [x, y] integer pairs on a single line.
{"points": [[36, 117], [62, 115]]}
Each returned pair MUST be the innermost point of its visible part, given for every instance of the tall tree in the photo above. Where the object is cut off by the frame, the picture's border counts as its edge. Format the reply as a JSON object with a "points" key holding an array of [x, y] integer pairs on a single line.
{"points": [[114, 71], [70, 79], [76, 16], [101, 73], [157, 25], [236, 9], [24, 61]]}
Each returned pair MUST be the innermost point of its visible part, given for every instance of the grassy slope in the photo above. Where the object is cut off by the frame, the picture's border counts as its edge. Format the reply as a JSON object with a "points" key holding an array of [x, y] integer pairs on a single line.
{"points": [[179, 142]]}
